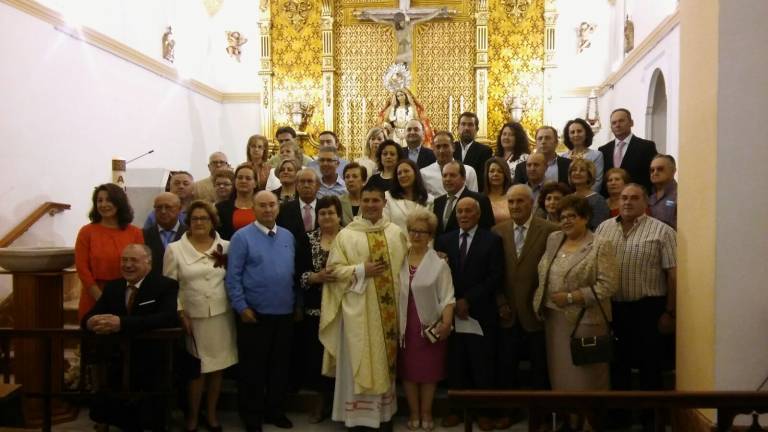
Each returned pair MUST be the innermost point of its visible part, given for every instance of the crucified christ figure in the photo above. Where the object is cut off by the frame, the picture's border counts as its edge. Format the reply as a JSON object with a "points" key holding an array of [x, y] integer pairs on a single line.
{"points": [[403, 20]]}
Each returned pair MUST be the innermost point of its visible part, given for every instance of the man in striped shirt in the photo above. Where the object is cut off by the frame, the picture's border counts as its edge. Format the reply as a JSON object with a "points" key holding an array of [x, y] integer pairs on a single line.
{"points": [[644, 305]]}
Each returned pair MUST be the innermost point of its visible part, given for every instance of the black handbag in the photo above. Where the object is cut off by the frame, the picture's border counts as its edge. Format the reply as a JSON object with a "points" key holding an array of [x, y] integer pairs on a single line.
{"points": [[592, 349]]}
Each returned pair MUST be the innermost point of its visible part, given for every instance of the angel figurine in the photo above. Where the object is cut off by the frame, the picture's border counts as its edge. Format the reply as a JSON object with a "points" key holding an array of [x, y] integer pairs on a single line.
{"points": [[234, 42]]}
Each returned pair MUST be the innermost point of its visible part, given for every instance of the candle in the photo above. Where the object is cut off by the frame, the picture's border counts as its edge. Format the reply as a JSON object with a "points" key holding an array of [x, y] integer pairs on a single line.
{"points": [[461, 104]]}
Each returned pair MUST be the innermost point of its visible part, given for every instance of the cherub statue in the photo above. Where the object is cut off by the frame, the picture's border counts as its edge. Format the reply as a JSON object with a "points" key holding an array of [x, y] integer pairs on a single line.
{"points": [[168, 44], [234, 42], [585, 35]]}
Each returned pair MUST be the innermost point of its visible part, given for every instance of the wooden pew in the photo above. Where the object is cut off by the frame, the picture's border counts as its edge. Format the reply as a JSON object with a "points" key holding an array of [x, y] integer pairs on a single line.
{"points": [[727, 403]]}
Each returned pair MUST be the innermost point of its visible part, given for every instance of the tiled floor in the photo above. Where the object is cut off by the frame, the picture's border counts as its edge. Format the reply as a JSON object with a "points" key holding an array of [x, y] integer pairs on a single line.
{"points": [[231, 422]]}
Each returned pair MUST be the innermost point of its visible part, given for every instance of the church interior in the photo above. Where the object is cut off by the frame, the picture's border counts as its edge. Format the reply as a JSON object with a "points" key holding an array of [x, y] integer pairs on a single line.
{"points": [[128, 91]]}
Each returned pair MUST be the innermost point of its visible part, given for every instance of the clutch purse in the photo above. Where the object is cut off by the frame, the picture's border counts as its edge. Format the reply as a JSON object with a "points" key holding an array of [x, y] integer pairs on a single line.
{"points": [[592, 349], [432, 332]]}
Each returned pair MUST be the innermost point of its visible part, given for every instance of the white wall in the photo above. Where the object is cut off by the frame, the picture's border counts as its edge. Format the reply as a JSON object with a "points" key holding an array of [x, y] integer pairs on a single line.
{"points": [[200, 39], [632, 92], [68, 108], [741, 356]]}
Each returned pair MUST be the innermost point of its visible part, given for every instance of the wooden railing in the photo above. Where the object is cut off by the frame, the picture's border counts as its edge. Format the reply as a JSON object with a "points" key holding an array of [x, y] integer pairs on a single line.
{"points": [[47, 337], [48, 207], [728, 403]]}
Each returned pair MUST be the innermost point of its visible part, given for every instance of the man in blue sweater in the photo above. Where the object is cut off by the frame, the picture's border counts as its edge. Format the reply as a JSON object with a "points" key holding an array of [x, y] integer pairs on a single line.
{"points": [[260, 283]]}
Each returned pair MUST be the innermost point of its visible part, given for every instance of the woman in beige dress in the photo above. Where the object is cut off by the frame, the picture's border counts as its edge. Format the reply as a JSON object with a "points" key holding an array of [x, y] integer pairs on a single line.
{"points": [[577, 271], [198, 262], [497, 180]]}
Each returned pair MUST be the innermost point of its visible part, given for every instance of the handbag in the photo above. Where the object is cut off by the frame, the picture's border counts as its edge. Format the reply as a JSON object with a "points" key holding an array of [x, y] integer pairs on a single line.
{"points": [[432, 333], [592, 349]]}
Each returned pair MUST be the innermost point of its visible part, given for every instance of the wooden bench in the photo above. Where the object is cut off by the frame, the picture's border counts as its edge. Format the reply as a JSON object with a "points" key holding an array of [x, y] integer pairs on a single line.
{"points": [[10, 405], [727, 403]]}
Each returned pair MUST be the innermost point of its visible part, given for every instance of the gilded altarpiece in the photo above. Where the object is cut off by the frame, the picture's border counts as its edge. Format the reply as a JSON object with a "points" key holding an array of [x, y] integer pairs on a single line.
{"points": [[444, 59], [516, 58], [362, 53], [296, 52]]}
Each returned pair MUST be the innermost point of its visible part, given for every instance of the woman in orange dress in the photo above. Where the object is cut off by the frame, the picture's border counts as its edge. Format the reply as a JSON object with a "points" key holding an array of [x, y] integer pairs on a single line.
{"points": [[100, 243]]}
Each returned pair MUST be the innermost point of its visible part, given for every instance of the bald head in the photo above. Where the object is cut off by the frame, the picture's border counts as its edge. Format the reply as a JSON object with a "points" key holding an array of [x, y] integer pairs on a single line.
{"points": [[414, 133], [167, 207], [536, 167], [265, 208]]}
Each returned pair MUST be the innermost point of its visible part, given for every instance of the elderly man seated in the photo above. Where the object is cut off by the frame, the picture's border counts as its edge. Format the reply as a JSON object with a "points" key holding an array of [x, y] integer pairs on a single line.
{"points": [[138, 302]]}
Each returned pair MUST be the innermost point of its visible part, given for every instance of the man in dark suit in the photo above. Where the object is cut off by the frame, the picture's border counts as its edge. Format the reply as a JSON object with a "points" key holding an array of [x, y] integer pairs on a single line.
{"points": [[168, 228], [556, 167], [414, 139], [298, 216], [454, 182], [476, 258], [136, 303], [627, 151], [469, 152], [524, 238]]}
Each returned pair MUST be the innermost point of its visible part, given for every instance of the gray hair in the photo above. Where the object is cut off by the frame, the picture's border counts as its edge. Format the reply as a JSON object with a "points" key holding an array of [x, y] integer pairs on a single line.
{"points": [[328, 149], [143, 247], [524, 187], [310, 170], [422, 215]]}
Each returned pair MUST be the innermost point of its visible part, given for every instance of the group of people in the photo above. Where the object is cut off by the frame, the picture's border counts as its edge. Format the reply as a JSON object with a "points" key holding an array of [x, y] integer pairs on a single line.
{"points": [[446, 264]]}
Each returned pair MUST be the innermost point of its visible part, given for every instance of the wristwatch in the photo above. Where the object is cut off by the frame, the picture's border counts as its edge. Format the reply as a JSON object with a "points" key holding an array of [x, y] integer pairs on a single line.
{"points": [[569, 297]]}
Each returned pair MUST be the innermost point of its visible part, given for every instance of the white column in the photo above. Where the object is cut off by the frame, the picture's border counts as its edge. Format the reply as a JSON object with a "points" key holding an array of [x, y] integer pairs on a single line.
{"points": [[481, 67], [265, 72], [550, 19], [327, 64]]}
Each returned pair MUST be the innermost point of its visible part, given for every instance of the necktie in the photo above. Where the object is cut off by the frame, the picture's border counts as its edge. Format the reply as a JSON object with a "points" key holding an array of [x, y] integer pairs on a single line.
{"points": [[271, 233], [166, 237], [307, 217], [617, 154], [448, 209], [463, 249], [131, 297], [519, 238]]}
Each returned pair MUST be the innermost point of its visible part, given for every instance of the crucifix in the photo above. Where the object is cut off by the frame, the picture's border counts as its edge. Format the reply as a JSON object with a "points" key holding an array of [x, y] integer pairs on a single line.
{"points": [[403, 19]]}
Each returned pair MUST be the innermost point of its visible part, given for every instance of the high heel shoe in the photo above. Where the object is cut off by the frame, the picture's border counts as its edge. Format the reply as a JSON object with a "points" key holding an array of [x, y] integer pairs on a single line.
{"points": [[414, 424], [428, 425]]}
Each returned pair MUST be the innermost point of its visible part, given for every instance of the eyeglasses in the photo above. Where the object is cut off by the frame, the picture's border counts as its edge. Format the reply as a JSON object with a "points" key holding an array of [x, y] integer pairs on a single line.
{"points": [[568, 216], [326, 160], [200, 219], [414, 231], [219, 163]]}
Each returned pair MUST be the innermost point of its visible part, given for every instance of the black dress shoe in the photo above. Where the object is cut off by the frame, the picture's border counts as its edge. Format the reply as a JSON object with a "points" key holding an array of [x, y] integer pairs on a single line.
{"points": [[280, 421]]}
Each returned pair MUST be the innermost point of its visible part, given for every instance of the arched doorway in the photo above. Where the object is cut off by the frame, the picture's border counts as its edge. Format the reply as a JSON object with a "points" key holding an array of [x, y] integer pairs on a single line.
{"points": [[656, 112]]}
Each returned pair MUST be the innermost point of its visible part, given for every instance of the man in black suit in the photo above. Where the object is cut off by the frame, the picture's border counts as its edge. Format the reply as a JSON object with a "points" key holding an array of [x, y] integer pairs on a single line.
{"points": [[168, 228], [414, 138], [454, 182], [476, 258], [627, 151], [136, 303], [298, 216], [556, 166], [469, 152]]}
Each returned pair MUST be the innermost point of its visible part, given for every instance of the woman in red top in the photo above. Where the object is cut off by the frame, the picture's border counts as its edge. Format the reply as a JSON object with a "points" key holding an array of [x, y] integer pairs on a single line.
{"points": [[100, 243], [237, 211]]}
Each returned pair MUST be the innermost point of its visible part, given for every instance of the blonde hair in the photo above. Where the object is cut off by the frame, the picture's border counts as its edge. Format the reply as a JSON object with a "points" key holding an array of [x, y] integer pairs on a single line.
{"points": [[422, 215]]}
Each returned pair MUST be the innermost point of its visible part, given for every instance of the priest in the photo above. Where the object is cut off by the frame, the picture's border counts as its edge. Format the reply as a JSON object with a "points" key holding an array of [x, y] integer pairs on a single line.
{"points": [[358, 320]]}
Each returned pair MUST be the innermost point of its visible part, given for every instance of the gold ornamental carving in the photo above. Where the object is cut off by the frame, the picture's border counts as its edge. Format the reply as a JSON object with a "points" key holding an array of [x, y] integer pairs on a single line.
{"points": [[296, 65], [444, 70], [516, 58], [362, 53], [297, 11], [516, 8]]}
